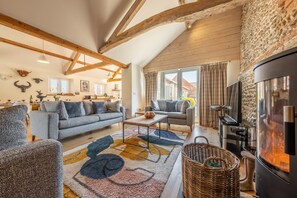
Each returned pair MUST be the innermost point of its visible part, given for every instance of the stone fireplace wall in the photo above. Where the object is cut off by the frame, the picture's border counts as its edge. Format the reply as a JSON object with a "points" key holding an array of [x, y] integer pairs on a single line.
{"points": [[268, 27]]}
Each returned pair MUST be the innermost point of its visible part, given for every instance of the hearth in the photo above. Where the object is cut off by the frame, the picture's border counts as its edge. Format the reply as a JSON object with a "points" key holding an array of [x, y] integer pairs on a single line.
{"points": [[276, 162]]}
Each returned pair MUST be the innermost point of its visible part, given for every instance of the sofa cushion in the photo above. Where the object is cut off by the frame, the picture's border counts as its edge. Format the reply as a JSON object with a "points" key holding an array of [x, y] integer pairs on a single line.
{"points": [[108, 116], [113, 106], [162, 104], [55, 107], [99, 107], [88, 106], [75, 109], [78, 121], [161, 112], [186, 104], [171, 106], [155, 105], [178, 115], [178, 106]]}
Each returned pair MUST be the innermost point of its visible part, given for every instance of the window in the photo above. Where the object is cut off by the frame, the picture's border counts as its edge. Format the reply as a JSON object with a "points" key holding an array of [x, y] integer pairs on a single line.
{"points": [[99, 89], [59, 86]]}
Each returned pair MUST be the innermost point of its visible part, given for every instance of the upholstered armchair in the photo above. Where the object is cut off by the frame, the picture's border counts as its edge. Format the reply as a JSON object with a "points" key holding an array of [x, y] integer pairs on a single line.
{"points": [[27, 170]]}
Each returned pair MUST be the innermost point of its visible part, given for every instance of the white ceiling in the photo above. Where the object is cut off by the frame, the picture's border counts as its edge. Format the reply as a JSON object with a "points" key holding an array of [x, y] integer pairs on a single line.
{"points": [[89, 23]]}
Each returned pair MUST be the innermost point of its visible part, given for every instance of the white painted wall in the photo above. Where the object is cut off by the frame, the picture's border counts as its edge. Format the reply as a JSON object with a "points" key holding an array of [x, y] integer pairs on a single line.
{"points": [[233, 70], [133, 89]]}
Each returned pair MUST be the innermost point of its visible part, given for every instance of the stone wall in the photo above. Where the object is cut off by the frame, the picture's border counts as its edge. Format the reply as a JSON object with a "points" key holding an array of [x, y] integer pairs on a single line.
{"points": [[268, 27]]}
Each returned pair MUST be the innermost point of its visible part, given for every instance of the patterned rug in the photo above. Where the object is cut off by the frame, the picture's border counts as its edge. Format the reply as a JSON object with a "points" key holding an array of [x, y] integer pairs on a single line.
{"points": [[108, 167]]}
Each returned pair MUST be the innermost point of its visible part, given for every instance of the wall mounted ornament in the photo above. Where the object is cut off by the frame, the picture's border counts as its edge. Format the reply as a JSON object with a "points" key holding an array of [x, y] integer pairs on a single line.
{"points": [[40, 96], [84, 86], [5, 76], [22, 87], [37, 80], [23, 73]]}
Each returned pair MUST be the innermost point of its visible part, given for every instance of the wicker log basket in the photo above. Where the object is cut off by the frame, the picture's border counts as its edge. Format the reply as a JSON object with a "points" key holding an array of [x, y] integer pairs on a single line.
{"points": [[209, 171]]}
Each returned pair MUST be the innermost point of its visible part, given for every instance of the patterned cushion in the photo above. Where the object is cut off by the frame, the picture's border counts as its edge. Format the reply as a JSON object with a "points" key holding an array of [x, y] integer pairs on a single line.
{"points": [[170, 106], [74, 109], [88, 106], [178, 106], [99, 107], [186, 104], [113, 106], [155, 105]]}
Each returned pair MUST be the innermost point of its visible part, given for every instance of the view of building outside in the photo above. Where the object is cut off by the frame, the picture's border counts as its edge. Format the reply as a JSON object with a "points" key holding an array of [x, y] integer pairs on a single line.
{"points": [[171, 86]]}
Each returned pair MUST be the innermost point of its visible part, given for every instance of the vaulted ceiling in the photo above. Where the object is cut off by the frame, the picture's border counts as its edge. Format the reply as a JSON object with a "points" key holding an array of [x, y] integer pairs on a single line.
{"points": [[90, 23]]}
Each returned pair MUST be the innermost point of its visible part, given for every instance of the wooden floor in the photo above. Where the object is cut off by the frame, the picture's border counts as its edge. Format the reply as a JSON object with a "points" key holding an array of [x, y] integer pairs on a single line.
{"points": [[173, 185]]}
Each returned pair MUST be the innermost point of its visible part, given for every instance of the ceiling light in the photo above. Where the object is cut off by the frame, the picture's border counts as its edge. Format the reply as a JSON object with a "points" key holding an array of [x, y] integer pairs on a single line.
{"points": [[42, 58]]}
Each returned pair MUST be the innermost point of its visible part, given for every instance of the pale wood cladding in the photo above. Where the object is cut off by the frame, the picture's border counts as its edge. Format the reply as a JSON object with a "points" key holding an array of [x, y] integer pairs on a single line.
{"points": [[213, 39]]}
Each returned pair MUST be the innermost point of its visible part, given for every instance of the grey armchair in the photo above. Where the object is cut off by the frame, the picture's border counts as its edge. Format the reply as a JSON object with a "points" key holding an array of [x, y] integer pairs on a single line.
{"points": [[178, 116], [27, 170]]}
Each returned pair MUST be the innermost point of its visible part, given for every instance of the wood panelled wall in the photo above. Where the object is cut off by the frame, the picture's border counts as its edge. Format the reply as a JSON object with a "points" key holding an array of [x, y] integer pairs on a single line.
{"points": [[210, 40]]}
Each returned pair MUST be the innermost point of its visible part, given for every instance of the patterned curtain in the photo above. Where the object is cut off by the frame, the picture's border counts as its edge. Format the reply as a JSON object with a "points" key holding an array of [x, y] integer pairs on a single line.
{"points": [[213, 83], [150, 87]]}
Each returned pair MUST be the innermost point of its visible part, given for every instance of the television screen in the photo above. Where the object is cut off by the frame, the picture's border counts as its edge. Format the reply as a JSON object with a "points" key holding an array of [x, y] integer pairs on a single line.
{"points": [[234, 102]]}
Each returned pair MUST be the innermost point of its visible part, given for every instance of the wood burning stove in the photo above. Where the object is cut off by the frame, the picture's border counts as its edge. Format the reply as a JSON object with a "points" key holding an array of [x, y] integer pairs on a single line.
{"points": [[276, 170]]}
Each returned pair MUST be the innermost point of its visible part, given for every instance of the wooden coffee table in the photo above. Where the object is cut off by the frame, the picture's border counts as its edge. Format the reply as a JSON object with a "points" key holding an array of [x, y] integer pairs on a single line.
{"points": [[141, 121]]}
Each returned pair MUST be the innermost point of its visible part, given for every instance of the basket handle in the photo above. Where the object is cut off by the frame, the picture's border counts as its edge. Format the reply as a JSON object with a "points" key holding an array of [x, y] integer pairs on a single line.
{"points": [[216, 158], [202, 138]]}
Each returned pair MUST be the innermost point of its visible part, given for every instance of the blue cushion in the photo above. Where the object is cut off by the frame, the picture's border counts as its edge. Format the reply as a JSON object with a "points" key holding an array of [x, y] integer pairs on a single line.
{"points": [[171, 106], [99, 107], [155, 105], [74, 109]]}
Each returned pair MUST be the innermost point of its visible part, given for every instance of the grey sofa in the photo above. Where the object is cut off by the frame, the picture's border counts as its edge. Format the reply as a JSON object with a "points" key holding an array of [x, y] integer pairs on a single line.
{"points": [[48, 125], [27, 170], [177, 115]]}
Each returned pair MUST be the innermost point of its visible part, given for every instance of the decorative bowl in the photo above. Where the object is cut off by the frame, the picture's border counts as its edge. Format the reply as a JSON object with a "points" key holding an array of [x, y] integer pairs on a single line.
{"points": [[149, 115]]}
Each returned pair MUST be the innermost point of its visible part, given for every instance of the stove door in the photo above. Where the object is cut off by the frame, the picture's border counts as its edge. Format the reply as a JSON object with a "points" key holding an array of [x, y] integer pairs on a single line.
{"points": [[271, 97]]}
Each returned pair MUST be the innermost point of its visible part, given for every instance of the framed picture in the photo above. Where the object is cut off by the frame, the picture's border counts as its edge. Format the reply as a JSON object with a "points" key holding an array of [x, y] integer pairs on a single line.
{"points": [[84, 86]]}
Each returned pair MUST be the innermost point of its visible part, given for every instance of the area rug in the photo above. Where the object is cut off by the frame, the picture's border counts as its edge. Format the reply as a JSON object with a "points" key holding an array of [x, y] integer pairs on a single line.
{"points": [[108, 167]]}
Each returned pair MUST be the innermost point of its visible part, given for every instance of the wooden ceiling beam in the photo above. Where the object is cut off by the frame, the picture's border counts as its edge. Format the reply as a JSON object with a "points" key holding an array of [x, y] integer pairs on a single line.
{"points": [[114, 80], [105, 69], [116, 73], [127, 18], [178, 14], [72, 64], [86, 68], [33, 31]]}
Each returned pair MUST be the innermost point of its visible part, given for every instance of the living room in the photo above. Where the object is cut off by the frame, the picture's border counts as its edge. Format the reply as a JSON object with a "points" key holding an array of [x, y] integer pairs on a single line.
{"points": [[139, 98]]}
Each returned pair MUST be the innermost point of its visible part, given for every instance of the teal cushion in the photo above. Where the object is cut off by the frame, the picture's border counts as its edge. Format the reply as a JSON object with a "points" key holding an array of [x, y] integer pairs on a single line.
{"points": [[99, 107], [74, 109]]}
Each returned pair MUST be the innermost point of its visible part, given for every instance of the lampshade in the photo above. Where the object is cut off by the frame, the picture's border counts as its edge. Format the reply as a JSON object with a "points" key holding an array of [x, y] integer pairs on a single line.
{"points": [[42, 59]]}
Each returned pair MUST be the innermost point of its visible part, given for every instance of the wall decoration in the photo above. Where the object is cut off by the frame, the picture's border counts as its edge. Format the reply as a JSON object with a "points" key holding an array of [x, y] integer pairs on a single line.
{"points": [[84, 86], [22, 87], [23, 73], [40, 96], [5, 76], [37, 80]]}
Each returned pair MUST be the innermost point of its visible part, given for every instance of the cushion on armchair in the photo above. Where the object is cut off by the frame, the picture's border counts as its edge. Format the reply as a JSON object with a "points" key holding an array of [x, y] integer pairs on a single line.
{"points": [[171, 106], [155, 105]]}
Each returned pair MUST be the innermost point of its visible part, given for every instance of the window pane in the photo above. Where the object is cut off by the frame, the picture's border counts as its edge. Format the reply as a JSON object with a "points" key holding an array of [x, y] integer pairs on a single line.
{"points": [[53, 86], [99, 89], [65, 86], [189, 86], [170, 86]]}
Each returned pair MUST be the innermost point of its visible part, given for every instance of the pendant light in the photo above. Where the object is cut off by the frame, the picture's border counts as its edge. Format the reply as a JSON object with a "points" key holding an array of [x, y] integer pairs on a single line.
{"points": [[42, 58]]}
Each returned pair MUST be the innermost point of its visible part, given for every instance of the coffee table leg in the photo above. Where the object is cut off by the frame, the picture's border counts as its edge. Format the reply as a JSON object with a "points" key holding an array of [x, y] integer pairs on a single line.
{"points": [[138, 129], [159, 129], [148, 137], [167, 125], [123, 132]]}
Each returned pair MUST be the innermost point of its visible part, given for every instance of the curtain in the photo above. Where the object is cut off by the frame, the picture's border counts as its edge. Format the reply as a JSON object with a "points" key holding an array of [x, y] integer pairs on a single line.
{"points": [[213, 83], [150, 87]]}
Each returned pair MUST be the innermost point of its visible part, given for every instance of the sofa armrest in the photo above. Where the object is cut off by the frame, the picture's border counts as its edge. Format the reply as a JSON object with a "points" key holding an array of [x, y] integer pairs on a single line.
{"points": [[190, 116], [148, 108], [44, 124], [123, 110], [32, 170]]}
